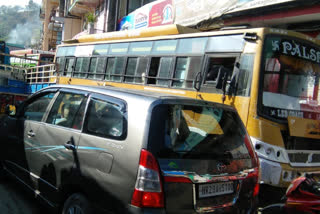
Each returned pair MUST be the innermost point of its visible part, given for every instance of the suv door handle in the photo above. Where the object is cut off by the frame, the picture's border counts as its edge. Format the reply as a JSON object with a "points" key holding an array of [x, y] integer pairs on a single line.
{"points": [[69, 146], [31, 133]]}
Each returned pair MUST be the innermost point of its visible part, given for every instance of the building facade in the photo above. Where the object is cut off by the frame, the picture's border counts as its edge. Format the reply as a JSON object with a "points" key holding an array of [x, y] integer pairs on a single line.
{"points": [[48, 37], [68, 19], [297, 15]]}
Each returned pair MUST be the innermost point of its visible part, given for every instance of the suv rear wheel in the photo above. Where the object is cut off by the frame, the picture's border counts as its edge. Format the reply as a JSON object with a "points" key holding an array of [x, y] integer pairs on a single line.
{"points": [[76, 204]]}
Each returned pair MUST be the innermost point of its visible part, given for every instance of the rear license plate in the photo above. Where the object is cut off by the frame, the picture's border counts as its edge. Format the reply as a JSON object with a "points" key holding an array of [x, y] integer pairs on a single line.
{"points": [[214, 189]]}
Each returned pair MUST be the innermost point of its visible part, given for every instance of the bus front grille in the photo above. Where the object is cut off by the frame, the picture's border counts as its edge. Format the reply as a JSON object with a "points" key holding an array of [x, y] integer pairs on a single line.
{"points": [[304, 157]]}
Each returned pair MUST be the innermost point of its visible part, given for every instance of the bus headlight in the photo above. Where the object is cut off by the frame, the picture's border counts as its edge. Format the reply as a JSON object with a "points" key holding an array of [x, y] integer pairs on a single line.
{"points": [[270, 152]]}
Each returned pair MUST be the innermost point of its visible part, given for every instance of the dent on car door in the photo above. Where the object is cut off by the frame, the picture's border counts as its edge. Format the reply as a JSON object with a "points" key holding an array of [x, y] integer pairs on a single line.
{"points": [[58, 139], [25, 136]]}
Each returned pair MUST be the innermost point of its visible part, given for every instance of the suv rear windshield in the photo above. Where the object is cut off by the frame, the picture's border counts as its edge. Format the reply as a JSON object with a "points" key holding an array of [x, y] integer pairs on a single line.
{"points": [[197, 132]]}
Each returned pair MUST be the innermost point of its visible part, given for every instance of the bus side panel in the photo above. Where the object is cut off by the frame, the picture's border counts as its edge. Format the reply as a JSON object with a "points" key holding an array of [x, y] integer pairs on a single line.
{"points": [[177, 92]]}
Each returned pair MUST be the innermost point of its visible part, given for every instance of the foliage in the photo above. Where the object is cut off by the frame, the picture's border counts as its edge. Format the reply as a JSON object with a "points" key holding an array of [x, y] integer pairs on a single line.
{"points": [[91, 17], [16, 20]]}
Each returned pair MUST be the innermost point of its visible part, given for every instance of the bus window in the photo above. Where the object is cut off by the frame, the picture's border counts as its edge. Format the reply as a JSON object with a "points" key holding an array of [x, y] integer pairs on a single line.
{"points": [[272, 74], [68, 67], [96, 70], [164, 73], [130, 69], [110, 65], [180, 72], [245, 75], [213, 66], [27, 63], [114, 68], [185, 71], [164, 47], [60, 62], [141, 70], [119, 48], [93, 67], [153, 71], [81, 68], [192, 46], [140, 48], [160, 71], [45, 59]]}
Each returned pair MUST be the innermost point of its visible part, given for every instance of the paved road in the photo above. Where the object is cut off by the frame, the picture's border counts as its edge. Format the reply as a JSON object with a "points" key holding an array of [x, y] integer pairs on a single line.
{"points": [[14, 200]]}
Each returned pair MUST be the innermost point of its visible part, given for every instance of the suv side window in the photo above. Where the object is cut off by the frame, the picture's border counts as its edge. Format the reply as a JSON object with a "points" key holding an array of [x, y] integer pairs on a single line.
{"points": [[37, 108], [66, 110], [106, 119]]}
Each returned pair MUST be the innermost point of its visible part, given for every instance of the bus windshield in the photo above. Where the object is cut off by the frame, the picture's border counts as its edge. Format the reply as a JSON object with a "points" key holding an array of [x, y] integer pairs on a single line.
{"points": [[290, 79]]}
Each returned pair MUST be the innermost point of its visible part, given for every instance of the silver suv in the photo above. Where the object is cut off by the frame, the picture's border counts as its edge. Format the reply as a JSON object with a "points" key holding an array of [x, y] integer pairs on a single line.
{"points": [[97, 149]]}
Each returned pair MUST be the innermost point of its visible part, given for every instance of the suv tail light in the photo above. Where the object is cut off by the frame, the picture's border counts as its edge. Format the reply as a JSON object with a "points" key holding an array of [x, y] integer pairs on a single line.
{"points": [[253, 154], [255, 162], [148, 190], [256, 177]]}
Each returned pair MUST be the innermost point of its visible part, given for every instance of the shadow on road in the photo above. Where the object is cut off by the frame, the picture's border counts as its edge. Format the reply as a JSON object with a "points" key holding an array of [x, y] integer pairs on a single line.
{"points": [[14, 200]]}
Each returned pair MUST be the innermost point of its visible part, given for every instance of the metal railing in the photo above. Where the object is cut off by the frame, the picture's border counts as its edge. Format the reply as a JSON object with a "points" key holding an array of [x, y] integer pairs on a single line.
{"points": [[11, 72], [41, 74], [37, 74]]}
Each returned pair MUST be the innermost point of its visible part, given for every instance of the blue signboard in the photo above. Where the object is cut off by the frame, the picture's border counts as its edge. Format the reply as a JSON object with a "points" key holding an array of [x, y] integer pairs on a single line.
{"points": [[126, 23]]}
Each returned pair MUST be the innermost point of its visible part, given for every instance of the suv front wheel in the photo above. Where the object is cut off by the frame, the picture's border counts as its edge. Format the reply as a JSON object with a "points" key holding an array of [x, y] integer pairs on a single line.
{"points": [[76, 204]]}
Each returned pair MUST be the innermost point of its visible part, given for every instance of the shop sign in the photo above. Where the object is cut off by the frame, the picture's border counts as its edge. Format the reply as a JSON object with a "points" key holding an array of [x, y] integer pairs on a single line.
{"points": [[161, 13], [191, 12], [141, 18], [126, 23], [296, 49]]}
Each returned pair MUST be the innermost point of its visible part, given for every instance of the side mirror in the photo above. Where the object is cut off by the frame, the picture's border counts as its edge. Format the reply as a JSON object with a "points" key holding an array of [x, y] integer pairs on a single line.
{"points": [[10, 110]]}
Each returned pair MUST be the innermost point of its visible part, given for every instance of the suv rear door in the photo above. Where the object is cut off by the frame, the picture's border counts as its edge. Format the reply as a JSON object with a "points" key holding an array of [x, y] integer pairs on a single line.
{"points": [[202, 155]]}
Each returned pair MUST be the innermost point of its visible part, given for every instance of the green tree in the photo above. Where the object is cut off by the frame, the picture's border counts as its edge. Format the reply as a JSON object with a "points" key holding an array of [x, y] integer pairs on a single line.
{"points": [[18, 24]]}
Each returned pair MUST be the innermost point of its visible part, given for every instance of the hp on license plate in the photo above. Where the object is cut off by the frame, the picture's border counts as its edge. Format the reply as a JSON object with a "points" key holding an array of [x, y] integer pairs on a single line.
{"points": [[214, 189]]}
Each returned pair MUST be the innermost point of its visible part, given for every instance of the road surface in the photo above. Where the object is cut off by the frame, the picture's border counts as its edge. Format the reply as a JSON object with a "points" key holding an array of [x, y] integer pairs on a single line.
{"points": [[15, 200]]}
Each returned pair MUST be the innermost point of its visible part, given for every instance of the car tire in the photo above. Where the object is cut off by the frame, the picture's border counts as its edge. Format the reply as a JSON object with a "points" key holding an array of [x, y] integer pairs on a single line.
{"points": [[77, 204]]}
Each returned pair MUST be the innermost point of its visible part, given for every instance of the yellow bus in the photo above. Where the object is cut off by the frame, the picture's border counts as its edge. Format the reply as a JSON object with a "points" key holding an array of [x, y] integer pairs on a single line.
{"points": [[270, 76]]}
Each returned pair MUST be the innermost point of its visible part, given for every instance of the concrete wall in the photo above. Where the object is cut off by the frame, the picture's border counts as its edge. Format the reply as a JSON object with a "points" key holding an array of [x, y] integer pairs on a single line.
{"points": [[99, 25], [71, 28], [49, 5]]}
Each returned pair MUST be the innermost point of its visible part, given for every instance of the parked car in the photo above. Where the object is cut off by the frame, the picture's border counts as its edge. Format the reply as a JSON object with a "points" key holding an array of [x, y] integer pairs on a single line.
{"points": [[86, 149]]}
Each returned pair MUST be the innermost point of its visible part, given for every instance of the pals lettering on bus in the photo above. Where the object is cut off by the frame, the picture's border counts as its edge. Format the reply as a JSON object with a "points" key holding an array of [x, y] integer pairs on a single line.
{"points": [[296, 49]]}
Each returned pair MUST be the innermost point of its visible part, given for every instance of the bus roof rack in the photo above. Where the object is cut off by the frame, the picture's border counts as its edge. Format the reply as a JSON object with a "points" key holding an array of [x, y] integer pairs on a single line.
{"points": [[137, 33]]}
